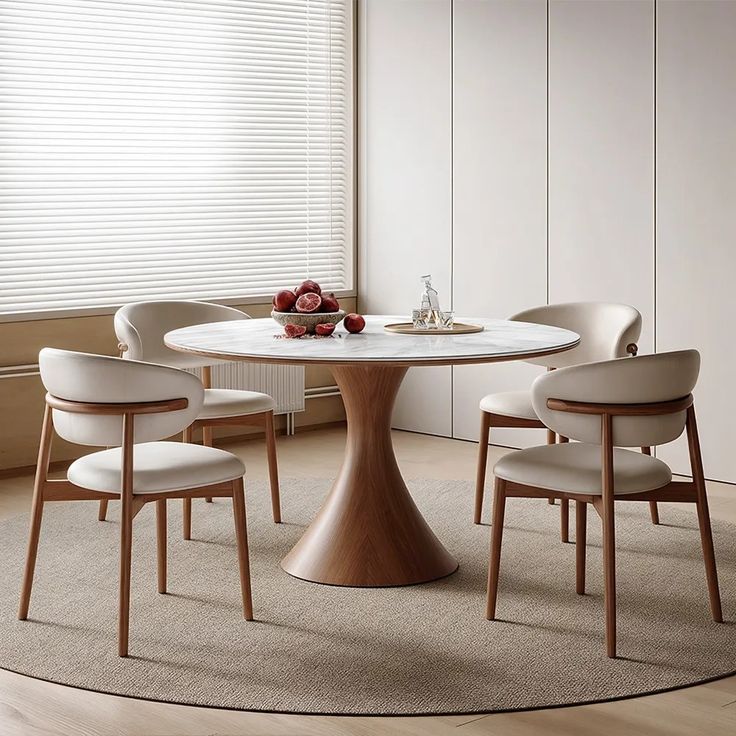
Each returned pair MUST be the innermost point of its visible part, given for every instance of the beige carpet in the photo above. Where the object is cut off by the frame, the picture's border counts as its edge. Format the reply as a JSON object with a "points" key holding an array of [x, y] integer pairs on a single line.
{"points": [[319, 649]]}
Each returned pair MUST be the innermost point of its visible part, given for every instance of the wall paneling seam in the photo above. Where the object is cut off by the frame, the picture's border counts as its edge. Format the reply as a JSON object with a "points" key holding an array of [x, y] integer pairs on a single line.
{"points": [[654, 188], [547, 164], [452, 201]]}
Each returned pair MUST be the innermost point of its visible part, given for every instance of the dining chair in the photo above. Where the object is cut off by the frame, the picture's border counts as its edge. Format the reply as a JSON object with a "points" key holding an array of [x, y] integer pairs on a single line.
{"points": [[140, 329], [607, 407], [607, 330], [129, 406]]}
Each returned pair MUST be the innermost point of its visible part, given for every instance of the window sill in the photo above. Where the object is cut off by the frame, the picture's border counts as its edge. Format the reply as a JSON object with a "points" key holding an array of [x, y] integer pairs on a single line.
{"points": [[101, 311]]}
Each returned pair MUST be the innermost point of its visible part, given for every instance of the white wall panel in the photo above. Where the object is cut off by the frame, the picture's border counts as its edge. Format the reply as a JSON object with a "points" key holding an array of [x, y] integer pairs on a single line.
{"points": [[696, 226], [405, 82], [500, 188], [524, 168], [601, 154]]}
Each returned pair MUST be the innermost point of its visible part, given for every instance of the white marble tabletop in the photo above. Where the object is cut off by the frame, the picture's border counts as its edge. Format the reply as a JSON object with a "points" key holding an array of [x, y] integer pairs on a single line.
{"points": [[258, 340]]}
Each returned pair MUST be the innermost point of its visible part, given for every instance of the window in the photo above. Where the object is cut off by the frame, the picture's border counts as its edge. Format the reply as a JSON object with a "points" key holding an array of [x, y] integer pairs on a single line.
{"points": [[172, 149]]}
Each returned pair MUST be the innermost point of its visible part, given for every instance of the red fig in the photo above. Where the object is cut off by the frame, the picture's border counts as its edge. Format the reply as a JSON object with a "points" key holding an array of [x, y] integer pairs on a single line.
{"points": [[308, 303], [308, 287], [294, 330], [329, 303], [284, 301], [325, 329], [354, 323]]}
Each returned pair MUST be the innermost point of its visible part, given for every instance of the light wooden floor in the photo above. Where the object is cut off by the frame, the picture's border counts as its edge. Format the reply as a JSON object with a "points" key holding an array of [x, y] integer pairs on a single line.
{"points": [[32, 708]]}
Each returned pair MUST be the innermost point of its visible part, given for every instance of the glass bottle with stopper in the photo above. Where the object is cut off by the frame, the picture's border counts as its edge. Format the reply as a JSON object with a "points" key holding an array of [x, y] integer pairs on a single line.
{"points": [[429, 315]]}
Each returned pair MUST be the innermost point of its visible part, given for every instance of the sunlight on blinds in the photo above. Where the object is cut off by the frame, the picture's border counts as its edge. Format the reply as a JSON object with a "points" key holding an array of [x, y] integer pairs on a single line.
{"points": [[173, 149]]}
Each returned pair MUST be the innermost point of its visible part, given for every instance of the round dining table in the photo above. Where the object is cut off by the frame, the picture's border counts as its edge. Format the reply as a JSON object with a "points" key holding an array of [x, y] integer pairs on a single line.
{"points": [[369, 532]]}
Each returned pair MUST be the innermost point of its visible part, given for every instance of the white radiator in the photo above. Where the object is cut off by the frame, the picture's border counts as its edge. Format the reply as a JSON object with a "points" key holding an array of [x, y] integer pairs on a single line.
{"points": [[284, 382]]}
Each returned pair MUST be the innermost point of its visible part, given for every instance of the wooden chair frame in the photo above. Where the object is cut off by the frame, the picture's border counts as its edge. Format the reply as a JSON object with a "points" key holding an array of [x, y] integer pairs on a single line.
{"points": [[45, 490], [261, 419], [676, 491], [489, 420]]}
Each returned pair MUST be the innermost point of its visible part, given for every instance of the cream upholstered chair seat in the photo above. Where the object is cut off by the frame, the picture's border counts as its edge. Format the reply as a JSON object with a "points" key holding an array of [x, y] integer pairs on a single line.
{"points": [[509, 404], [230, 402], [157, 467], [575, 467]]}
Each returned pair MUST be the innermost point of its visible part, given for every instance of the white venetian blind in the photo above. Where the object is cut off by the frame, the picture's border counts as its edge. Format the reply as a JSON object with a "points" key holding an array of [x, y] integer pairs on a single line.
{"points": [[172, 149]]}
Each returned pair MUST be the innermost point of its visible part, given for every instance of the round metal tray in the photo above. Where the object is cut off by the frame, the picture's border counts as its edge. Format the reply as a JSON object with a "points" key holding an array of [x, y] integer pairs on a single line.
{"points": [[407, 328]]}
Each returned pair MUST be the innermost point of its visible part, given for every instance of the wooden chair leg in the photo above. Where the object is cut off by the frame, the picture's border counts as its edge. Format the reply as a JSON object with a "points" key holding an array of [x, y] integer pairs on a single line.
{"points": [[480, 476], [273, 467], [33, 537], [565, 520], [241, 536], [494, 562], [102, 512], [126, 536], [207, 431], [711, 573], [186, 515], [126, 541], [653, 510], [207, 442], [42, 468], [564, 509], [609, 534], [161, 539], [609, 572], [551, 440], [581, 529], [706, 534], [186, 519]]}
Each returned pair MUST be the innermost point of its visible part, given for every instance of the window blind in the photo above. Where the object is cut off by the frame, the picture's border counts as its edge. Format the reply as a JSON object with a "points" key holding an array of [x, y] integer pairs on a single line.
{"points": [[172, 149]]}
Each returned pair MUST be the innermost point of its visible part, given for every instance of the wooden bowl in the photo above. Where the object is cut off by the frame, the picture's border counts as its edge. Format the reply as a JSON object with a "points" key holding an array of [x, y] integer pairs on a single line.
{"points": [[308, 320]]}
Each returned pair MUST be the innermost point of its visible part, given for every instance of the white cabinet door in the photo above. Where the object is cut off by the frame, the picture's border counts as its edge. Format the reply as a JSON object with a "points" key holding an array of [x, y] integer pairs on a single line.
{"points": [[405, 133], [601, 154], [500, 187], [696, 221]]}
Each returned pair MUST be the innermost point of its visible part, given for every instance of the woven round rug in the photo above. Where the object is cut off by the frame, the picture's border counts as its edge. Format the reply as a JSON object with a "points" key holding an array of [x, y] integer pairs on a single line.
{"points": [[424, 649]]}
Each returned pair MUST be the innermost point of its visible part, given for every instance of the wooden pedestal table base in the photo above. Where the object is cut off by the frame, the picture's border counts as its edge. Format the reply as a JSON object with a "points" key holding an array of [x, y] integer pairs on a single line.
{"points": [[369, 532]]}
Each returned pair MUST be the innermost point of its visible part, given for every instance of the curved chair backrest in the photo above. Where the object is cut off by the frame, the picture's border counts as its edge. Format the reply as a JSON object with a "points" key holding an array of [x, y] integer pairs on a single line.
{"points": [[606, 330], [141, 327], [101, 379], [648, 379]]}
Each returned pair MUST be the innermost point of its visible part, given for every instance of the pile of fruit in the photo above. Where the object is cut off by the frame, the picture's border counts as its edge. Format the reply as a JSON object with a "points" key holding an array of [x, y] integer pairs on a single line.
{"points": [[308, 299]]}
